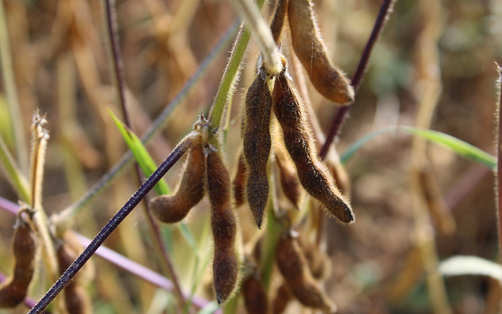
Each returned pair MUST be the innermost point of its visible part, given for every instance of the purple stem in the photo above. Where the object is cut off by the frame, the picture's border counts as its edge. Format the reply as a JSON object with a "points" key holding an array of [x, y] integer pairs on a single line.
{"points": [[357, 79]]}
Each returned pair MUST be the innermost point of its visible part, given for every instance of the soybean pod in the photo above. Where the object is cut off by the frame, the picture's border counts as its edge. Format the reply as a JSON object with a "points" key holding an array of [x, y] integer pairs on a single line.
{"points": [[257, 144], [310, 49], [190, 191], [314, 177], [224, 228]]}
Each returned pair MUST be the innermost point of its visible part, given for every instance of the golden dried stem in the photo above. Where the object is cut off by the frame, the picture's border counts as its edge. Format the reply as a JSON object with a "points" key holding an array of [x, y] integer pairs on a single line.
{"points": [[430, 83]]}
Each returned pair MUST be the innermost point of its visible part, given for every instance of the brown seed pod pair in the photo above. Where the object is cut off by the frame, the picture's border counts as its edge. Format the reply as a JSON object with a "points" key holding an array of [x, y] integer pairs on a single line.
{"points": [[224, 228], [173, 208], [75, 297], [24, 250], [294, 269], [314, 177], [257, 144], [310, 49]]}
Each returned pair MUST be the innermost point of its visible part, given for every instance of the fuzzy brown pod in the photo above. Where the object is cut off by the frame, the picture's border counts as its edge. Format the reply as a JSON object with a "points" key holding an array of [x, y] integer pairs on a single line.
{"points": [[75, 297], [239, 180], [24, 250], [278, 21], [173, 208], [224, 228], [288, 178], [314, 177], [310, 49], [282, 298], [255, 297], [294, 269], [257, 143]]}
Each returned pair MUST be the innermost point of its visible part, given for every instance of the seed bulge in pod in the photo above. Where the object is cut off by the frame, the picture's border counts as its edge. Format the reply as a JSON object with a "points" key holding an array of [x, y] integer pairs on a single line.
{"points": [[75, 297], [313, 175], [310, 49], [224, 228], [257, 143], [255, 297], [24, 249], [173, 208], [288, 178], [294, 269], [239, 180]]}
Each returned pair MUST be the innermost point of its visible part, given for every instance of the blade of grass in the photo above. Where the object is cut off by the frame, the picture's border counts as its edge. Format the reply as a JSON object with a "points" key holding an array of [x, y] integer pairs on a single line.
{"points": [[11, 91], [16, 178], [460, 147], [470, 265], [141, 155]]}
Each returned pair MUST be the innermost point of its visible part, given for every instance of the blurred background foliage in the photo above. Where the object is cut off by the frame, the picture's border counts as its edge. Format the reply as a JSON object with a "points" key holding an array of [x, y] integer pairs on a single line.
{"points": [[59, 59]]}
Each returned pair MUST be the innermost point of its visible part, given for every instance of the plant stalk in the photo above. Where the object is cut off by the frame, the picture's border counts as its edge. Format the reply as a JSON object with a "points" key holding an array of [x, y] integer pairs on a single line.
{"points": [[498, 190]]}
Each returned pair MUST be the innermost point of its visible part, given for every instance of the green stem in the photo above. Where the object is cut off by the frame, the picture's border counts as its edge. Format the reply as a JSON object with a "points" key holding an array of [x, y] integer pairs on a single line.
{"points": [[231, 305], [232, 70], [15, 176], [271, 237]]}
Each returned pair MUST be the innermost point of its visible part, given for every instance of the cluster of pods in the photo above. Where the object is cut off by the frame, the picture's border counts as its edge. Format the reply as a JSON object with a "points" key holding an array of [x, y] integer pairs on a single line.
{"points": [[271, 101]]}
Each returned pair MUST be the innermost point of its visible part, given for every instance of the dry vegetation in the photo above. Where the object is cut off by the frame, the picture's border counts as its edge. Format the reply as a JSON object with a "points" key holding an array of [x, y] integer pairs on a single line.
{"points": [[415, 203]]}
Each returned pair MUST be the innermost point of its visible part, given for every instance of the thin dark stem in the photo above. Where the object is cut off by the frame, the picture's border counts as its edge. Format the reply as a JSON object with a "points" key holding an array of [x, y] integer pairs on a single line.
{"points": [[112, 225], [118, 71], [117, 63], [357, 79]]}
